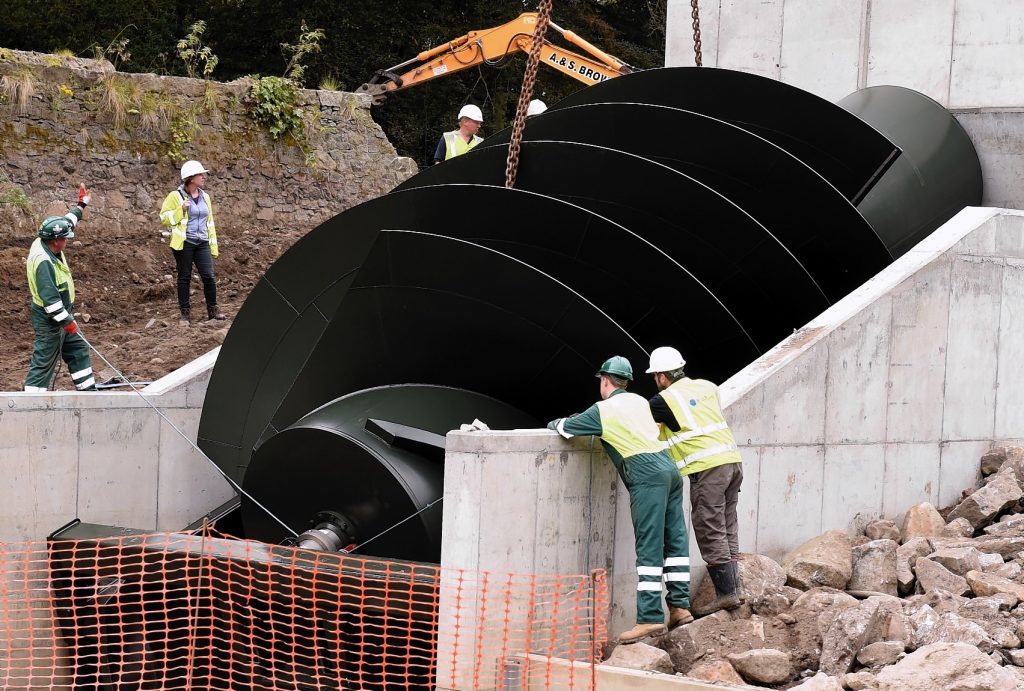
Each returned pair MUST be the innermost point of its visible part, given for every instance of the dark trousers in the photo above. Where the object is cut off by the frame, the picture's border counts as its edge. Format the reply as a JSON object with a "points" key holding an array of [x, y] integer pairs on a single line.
{"points": [[714, 494], [199, 254]]}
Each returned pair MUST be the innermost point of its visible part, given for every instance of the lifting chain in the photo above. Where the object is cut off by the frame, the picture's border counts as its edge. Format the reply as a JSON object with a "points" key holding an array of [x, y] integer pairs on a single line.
{"points": [[697, 59], [532, 62]]}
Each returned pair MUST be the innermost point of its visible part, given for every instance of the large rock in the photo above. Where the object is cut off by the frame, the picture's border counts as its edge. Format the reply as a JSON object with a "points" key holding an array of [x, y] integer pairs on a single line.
{"points": [[922, 520], [946, 666], [854, 628], [907, 555], [874, 567], [958, 560], [757, 573], [774, 600], [880, 653], [1014, 461], [681, 648], [1007, 546], [982, 507], [716, 671], [825, 560], [989, 613], [812, 614], [960, 527], [930, 627], [933, 576], [763, 666], [882, 530], [985, 584], [640, 656], [990, 562], [1011, 570], [992, 461], [820, 682], [1011, 525]]}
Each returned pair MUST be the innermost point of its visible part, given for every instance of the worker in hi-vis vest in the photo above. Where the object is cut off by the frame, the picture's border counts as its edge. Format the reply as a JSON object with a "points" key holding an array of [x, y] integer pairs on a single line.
{"points": [[689, 413], [461, 140], [53, 301], [630, 437]]}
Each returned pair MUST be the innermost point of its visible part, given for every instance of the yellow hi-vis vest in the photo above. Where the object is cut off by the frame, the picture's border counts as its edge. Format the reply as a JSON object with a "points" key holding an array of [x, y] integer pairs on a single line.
{"points": [[173, 216], [704, 440], [62, 274], [454, 145], [627, 424]]}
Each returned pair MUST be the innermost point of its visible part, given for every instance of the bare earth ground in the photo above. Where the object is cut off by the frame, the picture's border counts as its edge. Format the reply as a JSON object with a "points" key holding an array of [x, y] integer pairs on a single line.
{"points": [[126, 304]]}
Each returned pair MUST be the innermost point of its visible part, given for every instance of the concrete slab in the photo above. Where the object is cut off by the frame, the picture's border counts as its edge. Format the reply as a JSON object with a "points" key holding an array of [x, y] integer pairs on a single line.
{"points": [[848, 504], [118, 468], [188, 484], [923, 63], [794, 399], [988, 49], [959, 469], [791, 492], [1009, 237], [911, 477], [821, 49], [750, 423], [916, 380], [856, 388], [750, 36], [750, 496], [972, 349], [1009, 403], [39, 464]]}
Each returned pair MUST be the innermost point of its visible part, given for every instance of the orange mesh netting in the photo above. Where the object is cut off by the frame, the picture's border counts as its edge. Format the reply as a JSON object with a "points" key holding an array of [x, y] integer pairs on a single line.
{"points": [[175, 611]]}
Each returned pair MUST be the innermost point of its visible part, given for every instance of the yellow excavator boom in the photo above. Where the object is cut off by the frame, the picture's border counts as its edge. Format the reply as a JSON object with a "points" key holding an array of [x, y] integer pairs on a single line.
{"points": [[491, 46]]}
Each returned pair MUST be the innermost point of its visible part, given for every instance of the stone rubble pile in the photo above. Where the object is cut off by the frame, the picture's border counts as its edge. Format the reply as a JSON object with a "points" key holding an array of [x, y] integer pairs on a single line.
{"points": [[935, 603]]}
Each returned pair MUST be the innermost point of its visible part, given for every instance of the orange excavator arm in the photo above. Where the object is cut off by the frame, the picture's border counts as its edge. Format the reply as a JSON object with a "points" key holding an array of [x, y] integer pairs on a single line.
{"points": [[491, 46]]}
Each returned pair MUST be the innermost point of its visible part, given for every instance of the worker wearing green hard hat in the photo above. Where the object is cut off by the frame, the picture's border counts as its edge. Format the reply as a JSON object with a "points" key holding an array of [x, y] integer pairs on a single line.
{"points": [[629, 435], [53, 296]]}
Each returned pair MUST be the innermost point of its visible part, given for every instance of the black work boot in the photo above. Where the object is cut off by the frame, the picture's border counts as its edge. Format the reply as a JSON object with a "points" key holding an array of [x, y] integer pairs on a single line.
{"points": [[214, 312], [735, 566], [723, 576], [186, 317]]}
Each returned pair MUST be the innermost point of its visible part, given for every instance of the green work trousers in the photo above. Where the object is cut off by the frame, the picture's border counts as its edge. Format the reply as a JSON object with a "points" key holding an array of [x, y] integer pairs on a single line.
{"points": [[51, 344], [659, 528]]}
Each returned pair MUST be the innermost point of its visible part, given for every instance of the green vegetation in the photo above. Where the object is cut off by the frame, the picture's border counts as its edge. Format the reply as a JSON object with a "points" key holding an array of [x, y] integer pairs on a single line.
{"points": [[18, 87], [199, 59], [16, 198], [353, 40], [329, 83], [273, 102], [308, 43]]}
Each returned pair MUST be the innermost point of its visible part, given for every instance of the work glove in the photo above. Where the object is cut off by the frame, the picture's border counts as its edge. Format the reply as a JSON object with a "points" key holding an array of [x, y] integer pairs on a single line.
{"points": [[83, 196], [71, 328]]}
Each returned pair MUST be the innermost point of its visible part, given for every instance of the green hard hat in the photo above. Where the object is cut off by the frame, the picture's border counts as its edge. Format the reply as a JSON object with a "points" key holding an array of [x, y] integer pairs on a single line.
{"points": [[55, 228], [617, 366]]}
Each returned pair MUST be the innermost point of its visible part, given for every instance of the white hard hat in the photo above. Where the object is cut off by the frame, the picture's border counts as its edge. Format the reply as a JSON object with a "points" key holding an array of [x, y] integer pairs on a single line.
{"points": [[192, 168], [472, 112], [665, 359], [536, 107]]}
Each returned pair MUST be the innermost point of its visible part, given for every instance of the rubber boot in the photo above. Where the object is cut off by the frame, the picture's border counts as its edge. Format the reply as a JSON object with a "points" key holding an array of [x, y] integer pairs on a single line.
{"points": [[214, 312], [186, 317], [735, 566], [641, 631], [725, 590]]}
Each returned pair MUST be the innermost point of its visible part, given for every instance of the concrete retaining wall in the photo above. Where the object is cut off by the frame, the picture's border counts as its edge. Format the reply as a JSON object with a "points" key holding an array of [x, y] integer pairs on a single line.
{"points": [[963, 53], [106, 458]]}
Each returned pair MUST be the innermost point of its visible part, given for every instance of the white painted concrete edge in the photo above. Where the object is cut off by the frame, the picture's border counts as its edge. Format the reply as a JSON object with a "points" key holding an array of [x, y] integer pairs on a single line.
{"points": [[874, 289]]}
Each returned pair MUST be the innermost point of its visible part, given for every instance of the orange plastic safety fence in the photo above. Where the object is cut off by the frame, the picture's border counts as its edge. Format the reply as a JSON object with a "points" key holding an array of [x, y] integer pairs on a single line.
{"points": [[174, 611]]}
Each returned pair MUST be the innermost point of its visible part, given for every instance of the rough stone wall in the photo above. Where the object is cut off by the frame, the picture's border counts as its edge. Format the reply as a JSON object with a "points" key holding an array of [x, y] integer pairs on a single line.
{"points": [[59, 132]]}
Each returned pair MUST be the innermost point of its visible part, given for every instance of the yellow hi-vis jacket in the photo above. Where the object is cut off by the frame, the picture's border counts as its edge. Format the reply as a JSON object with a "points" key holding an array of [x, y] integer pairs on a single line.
{"points": [[54, 298], [455, 145], [704, 439], [627, 425], [173, 216]]}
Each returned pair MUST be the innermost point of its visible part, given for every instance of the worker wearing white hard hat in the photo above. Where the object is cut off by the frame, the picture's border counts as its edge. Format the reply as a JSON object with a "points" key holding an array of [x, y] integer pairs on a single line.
{"points": [[188, 213], [461, 140], [689, 414], [536, 107]]}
